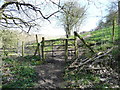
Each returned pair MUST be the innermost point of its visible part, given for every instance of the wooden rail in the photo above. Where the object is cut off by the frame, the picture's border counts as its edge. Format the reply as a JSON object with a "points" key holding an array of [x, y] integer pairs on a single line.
{"points": [[58, 45], [57, 50], [64, 45], [57, 40]]}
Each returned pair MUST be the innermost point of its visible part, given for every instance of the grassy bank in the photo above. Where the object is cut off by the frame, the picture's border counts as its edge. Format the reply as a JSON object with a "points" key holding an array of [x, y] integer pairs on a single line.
{"points": [[100, 41]]}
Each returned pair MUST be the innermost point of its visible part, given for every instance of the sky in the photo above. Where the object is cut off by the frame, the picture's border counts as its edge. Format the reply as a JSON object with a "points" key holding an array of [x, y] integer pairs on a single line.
{"points": [[95, 11]]}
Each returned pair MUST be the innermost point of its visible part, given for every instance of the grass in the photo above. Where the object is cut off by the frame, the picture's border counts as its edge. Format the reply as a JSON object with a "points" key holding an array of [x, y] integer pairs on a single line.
{"points": [[19, 73], [33, 60], [22, 75], [103, 35], [76, 80], [101, 40]]}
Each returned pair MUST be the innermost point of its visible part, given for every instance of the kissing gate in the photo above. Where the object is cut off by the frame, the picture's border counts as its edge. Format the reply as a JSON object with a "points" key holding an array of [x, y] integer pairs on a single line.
{"points": [[59, 49]]}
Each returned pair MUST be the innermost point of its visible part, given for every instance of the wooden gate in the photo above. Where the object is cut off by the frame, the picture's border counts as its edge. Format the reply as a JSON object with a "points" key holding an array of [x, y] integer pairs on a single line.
{"points": [[59, 48]]}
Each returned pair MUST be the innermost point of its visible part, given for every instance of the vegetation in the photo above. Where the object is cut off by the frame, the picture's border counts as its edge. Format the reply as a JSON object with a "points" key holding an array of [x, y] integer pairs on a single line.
{"points": [[83, 77], [8, 39], [102, 39], [21, 69], [19, 73], [89, 70]]}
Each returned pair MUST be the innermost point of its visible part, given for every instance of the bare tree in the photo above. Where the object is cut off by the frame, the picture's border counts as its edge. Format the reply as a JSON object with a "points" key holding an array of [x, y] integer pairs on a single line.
{"points": [[72, 16]]}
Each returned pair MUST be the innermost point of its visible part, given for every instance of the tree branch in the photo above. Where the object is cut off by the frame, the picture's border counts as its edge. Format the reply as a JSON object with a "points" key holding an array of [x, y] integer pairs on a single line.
{"points": [[18, 6]]}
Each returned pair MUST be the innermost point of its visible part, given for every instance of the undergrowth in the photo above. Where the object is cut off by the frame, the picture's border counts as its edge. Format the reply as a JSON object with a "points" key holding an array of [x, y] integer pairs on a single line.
{"points": [[100, 41], [19, 73]]}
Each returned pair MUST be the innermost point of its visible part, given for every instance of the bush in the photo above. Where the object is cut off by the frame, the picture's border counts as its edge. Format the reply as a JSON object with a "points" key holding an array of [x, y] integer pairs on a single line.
{"points": [[8, 39], [17, 74]]}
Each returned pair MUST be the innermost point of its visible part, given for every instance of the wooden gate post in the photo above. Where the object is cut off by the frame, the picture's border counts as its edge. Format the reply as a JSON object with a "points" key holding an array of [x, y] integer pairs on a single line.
{"points": [[76, 46], [4, 52], [76, 34], [42, 48], [113, 30], [22, 48], [66, 49], [38, 48], [52, 51]]}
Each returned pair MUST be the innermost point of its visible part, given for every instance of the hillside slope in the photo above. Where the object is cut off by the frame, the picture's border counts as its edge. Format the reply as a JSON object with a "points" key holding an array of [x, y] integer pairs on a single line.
{"points": [[95, 71]]}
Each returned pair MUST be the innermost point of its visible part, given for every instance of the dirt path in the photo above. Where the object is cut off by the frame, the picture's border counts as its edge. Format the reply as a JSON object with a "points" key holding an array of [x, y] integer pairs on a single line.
{"points": [[50, 74]]}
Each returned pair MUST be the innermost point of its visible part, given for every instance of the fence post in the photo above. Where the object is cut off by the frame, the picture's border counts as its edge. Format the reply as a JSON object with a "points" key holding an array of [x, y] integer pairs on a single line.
{"points": [[4, 51], [42, 48], [76, 47], [52, 51], [38, 48], [76, 34], [66, 49], [22, 48], [113, 30]]}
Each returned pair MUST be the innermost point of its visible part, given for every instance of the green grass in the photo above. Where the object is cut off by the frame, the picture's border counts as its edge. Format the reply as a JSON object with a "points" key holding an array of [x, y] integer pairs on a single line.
{"points": [[19, 73], [33, 60], [102, 40], [103, 37], [76, 80], [102, 86], [22, 75]]}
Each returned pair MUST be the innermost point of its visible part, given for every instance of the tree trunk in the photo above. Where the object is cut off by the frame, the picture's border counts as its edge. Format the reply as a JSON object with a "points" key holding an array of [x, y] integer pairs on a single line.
{"points": [[118, 66]]}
